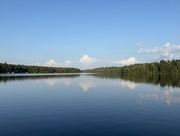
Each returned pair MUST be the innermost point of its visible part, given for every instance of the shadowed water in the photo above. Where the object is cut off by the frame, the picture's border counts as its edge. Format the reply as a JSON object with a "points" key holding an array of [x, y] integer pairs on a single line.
{"points": [[89, 104]]}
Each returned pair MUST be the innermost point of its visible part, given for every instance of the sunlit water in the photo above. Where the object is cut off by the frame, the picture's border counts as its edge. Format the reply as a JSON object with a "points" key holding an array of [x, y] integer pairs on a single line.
{"points": [[87, 105]]}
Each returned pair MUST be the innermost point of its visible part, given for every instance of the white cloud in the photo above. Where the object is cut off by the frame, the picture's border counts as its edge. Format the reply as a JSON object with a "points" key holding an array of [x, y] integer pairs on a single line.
{"points": [[164, 52], [164, 56], [87, 60], [37, 64], [67, 62], [52, 63], [129, 61], [140, 43]]}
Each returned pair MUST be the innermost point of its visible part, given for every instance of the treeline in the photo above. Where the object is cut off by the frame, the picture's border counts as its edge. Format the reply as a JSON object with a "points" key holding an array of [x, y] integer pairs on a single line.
{"points": [[162, 67], [11, 68]]}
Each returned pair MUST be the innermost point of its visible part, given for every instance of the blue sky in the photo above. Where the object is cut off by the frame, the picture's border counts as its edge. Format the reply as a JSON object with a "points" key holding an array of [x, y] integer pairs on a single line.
{"points": [[89, 33]]}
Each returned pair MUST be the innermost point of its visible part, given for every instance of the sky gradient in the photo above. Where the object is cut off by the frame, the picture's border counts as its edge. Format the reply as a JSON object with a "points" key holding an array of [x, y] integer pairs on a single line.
{"points": [[89, 33]]}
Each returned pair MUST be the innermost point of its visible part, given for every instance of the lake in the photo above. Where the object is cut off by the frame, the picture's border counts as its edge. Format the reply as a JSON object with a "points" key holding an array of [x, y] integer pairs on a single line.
{"points": [[89, 105]]}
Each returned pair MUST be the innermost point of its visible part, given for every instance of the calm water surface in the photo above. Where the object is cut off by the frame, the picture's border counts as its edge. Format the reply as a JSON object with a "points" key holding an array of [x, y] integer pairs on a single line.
{"points": [[88, 105]]}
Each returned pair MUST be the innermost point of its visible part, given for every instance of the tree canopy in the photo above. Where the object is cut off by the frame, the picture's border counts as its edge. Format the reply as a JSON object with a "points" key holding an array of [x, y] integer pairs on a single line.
{"points": [[162, 67], [11, 68]]}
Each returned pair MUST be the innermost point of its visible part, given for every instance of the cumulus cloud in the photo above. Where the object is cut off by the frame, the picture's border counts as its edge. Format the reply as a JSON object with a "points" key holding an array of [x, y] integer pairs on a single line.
{"points": [[129, 61], [140, 43], [164, 56], [52, 63], [87, 60], [37, 64], [67, 62], [166, 51]]}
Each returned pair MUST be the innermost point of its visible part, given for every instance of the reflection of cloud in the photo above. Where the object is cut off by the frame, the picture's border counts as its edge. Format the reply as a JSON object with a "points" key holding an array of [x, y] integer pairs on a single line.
{"points": [[53, 81], [67, 82], [168, 95], [129, 84], [87, 85]]}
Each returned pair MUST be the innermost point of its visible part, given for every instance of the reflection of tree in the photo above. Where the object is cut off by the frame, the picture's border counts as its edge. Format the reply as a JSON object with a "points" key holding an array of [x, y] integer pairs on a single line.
{"points": [[168, 94], [162, 79], [35, 77]]}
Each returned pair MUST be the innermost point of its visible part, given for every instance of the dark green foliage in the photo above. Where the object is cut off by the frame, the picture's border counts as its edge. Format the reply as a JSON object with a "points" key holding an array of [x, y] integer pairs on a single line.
{"points": [[11, 68], [163, 67]]}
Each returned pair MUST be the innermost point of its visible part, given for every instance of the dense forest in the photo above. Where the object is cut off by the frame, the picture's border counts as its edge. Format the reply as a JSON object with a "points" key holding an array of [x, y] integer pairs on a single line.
{"points": [[162, 67], [11, 68]]}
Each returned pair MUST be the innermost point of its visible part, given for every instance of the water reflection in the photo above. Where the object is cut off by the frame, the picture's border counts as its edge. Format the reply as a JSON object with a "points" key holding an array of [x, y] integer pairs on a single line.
{"points": [[156, 79], [128, 80], [60, 105], [53, 81], [49, 79], [165, 88], [167, 94], [129, 84], [86, 85]]}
